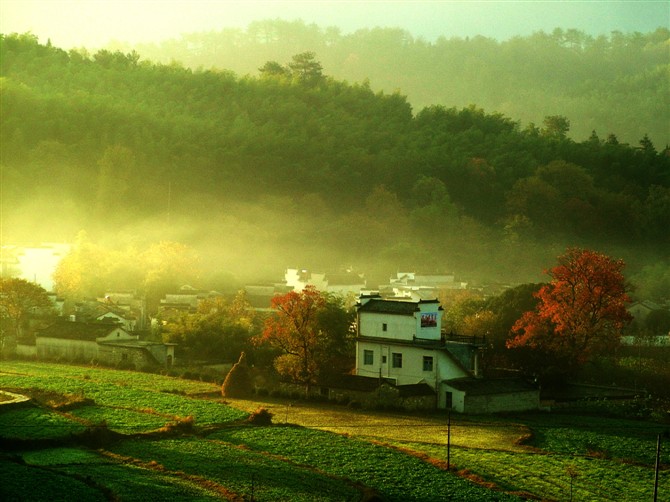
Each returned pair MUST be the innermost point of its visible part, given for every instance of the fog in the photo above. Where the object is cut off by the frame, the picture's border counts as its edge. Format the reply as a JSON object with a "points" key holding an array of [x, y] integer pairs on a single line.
{"points": [[251, 230], [95, 23]]}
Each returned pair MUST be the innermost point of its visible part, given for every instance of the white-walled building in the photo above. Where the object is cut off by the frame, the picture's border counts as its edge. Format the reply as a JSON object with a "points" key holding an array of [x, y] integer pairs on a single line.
{"points": [[102, 341], [407, 284], [400, 341], [339, 283]]}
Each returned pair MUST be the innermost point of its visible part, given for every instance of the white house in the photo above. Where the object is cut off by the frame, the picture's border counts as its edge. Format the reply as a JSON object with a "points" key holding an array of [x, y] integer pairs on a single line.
{"points": [[409, 283], [339, 283], [400, 341]]}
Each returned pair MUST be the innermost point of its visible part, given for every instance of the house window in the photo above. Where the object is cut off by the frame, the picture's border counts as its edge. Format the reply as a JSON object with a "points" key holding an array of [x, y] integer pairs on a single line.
{"points": [[384, 326], [383, 359], [397, 360], [427, 363], [368, 357]]}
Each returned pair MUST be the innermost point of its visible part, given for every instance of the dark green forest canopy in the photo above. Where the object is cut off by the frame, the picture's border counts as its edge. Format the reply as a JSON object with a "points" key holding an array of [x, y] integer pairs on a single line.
{"points": [[610, 83], [118, 138]]}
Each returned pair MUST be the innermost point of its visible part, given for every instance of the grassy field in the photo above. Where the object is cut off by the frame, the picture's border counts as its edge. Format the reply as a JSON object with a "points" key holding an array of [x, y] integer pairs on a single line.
{"points": [[106, 434]]}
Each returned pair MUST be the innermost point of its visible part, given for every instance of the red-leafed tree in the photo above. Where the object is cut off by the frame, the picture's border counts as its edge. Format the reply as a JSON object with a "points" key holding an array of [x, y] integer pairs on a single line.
{"points": [[309, 328], [580, 314]]}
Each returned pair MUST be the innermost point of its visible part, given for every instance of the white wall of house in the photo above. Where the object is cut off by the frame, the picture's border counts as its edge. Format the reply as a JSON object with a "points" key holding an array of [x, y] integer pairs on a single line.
{"points": [[386, 358], [128, 324], [403, 327], [488, 403], [117, 334], [417, 364], [398, 354]]}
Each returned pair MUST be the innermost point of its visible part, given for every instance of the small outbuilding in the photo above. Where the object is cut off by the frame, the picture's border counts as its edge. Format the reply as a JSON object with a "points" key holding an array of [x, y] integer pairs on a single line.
{"points": [[106, 342], [481, 396]]}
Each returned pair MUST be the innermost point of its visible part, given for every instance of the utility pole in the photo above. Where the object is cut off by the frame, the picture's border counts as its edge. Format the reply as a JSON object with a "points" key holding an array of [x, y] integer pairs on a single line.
{"points": [[658, 466], [449, 440]]}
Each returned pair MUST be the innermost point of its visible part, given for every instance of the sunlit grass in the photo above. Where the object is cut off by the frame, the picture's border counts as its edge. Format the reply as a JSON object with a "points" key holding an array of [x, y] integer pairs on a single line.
{"points": [[473, 432], [123, 389]]}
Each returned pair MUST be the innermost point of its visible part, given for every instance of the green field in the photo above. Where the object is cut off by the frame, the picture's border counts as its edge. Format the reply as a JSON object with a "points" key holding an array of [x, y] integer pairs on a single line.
{"points": [[312, 453]]}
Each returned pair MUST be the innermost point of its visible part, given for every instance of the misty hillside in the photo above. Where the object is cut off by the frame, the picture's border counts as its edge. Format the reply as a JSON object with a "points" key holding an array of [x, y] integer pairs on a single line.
{"points": [[295, 167], [613, 84]]}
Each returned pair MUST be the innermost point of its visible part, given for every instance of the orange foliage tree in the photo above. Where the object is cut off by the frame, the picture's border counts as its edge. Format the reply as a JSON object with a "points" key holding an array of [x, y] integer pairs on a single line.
{"points": [[305, 328], [580, 314]]}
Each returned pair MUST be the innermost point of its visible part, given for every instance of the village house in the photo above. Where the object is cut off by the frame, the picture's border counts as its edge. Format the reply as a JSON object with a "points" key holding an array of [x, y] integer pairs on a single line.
{"points": [[105, 311], [340, 283], [400, 341], [408, 284], [106, 342]]}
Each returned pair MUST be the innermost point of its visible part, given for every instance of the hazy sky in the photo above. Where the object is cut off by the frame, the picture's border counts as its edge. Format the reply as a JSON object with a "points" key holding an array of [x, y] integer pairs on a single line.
{"points": [[93, 23]]}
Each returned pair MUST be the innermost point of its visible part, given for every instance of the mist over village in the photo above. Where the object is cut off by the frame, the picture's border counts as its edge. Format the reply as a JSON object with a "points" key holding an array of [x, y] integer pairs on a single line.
{"points": [[329, 251]]}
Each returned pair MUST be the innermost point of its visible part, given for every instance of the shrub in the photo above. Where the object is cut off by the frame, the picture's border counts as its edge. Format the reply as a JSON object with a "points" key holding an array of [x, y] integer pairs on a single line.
{"points": [[260, 417], [238, 382]]}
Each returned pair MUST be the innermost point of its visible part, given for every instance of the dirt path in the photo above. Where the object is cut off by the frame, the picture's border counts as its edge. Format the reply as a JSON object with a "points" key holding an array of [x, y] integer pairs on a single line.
{"points": [[429, 428]]}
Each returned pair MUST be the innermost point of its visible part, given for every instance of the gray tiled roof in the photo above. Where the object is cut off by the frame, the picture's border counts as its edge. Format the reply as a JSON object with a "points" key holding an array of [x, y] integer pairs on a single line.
{"points": [[483, 387], [390, 307], [68, 330]]}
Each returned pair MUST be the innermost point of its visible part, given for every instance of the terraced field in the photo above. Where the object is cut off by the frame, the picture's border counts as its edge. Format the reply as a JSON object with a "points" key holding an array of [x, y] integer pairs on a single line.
{"points": [[99, 434]]}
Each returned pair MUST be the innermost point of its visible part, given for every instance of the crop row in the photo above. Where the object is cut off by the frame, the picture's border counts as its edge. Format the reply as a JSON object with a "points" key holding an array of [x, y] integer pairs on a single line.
{"points": [[394, 474], [132, 398], [36, 423], [552, 476], [628, 440], [240, 470], [138, 380], [66, 474]]}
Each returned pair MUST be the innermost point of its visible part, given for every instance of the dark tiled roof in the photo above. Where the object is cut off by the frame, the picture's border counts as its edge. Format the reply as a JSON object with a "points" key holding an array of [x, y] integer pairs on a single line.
{"points": [[483, 387], [413, 342], [390, 307], [416, 390], [87, 331], [353, 382]]}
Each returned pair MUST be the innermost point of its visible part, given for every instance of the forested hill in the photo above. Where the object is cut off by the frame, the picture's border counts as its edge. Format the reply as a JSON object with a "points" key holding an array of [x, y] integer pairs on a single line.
{"points": [[295, 167], [615, 83]]}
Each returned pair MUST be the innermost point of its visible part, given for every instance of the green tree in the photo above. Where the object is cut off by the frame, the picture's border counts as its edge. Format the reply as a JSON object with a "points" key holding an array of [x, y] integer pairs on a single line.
{"points": [[306, 69], [116, 167], [273, 69], [218, 331], [556, 126]]}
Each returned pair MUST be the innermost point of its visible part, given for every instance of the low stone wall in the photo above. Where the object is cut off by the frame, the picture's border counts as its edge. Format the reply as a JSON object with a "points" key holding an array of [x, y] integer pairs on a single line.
{"points": [[386, 396]]}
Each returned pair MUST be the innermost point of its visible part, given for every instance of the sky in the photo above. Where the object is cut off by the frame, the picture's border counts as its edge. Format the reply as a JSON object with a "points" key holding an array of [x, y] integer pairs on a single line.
{"points": [[95, 23]]}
